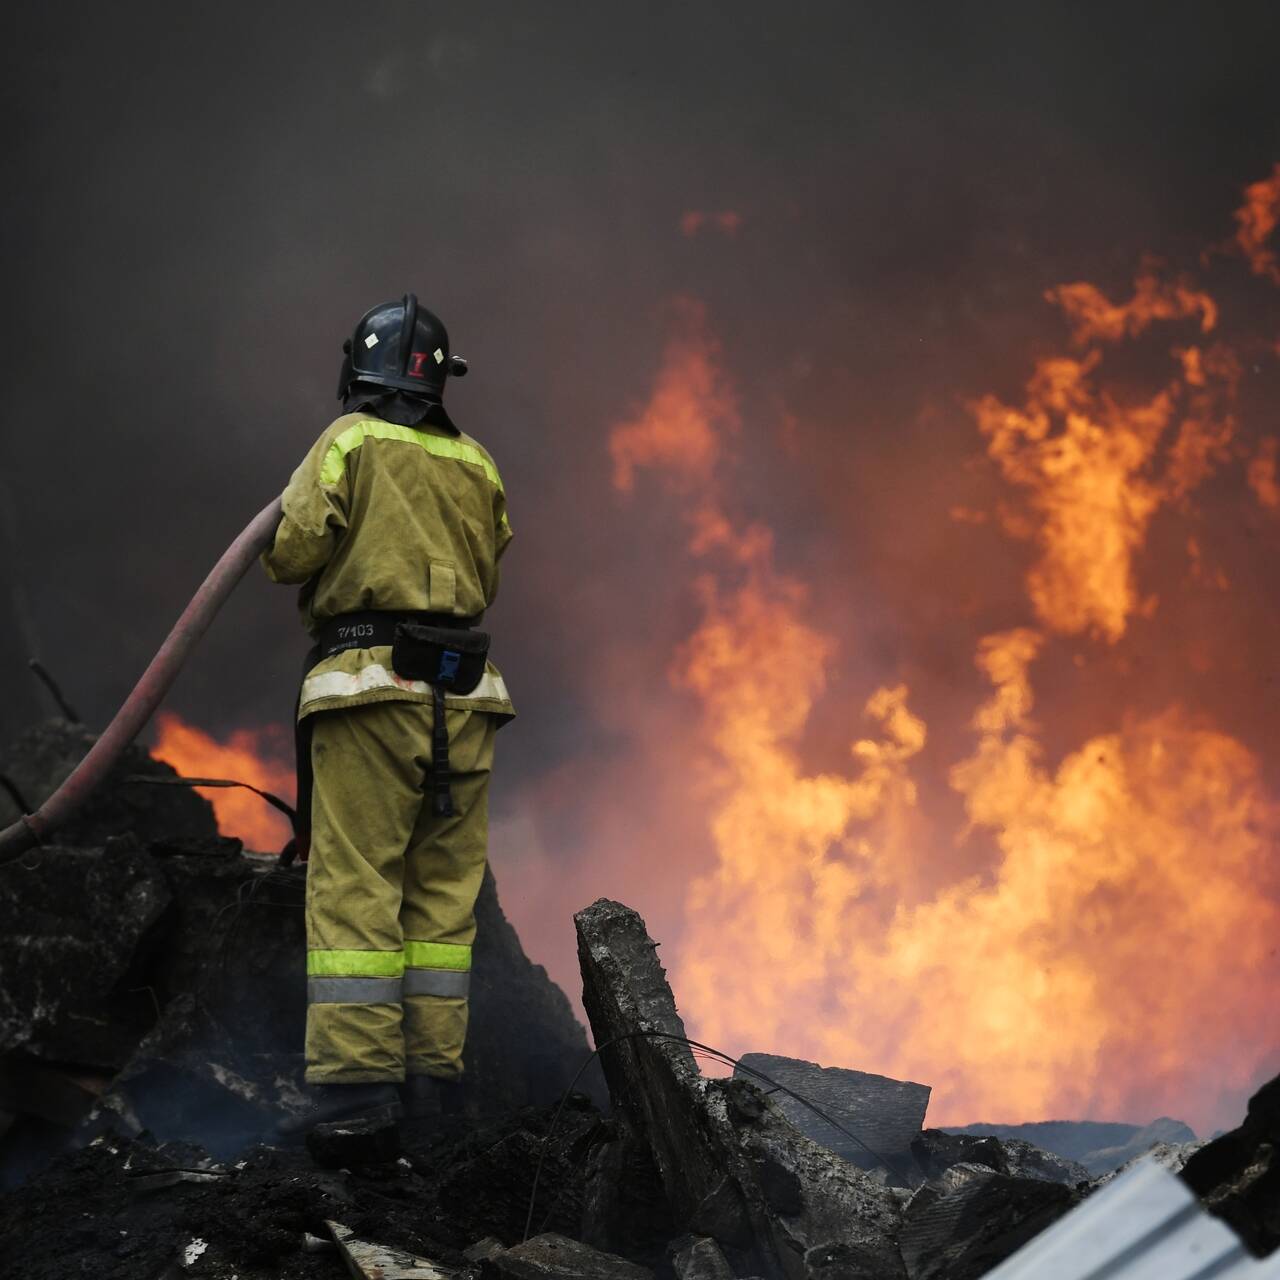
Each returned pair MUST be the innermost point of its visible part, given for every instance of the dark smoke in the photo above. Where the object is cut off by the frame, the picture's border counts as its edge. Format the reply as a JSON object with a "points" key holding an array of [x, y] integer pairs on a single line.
{"points": [[199, 201]]}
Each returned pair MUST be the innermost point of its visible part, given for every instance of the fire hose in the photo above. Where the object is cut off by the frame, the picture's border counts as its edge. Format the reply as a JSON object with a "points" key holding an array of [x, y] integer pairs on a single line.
{"points": [[32, 828]]}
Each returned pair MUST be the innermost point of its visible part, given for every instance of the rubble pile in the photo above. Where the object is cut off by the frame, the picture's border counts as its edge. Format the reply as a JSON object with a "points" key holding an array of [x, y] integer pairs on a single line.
{"points": [[127, 1208], [42, 758], [759, 1195], [152, 999], [154, 980], [1096, 1147], [1237, 1176], [886, 1115], [734, 1170]]}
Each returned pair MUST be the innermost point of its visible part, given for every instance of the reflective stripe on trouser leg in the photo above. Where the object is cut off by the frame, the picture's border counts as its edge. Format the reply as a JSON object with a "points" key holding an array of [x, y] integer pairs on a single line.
{"points": [[437, 982], [436, 968], [365, 803], [354, 990], [336, 988], [444, 869]]}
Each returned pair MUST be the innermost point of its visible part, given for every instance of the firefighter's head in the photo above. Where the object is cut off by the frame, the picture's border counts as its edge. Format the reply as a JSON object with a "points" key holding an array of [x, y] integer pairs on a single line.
{"points": [[403, 347]]}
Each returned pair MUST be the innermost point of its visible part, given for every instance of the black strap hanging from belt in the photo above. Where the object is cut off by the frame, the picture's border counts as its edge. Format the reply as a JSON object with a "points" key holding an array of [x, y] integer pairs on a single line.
{"points": [[443, 651], [441, 794]]}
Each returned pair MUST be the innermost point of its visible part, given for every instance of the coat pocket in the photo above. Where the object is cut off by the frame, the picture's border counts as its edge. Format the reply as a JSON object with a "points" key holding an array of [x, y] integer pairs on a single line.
{"points": [[442, 586]]}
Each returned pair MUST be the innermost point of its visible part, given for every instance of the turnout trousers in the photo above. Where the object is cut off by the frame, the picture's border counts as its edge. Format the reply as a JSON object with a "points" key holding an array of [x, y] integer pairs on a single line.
{"points": [[391, 892]]}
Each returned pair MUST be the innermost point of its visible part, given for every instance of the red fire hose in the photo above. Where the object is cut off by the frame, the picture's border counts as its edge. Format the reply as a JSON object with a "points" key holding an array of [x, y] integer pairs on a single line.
{"points": [[31, 829]]}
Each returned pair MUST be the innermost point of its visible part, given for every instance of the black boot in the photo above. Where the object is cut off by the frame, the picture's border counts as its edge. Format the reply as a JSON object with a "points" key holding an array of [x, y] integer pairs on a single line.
{"points": [[430, 1098], [374, 1104]]}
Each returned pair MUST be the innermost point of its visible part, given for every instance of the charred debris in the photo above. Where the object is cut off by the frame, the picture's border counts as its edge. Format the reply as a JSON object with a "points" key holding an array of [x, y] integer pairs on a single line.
{"points": [[151, 1011]]}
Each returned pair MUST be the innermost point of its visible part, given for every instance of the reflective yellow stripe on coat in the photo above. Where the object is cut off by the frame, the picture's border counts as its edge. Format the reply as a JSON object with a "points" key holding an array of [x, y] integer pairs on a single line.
{"points": [[354, 436]]}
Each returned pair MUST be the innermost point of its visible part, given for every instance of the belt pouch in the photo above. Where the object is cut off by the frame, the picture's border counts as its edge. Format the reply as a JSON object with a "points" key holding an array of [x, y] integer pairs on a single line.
{"points": [[444, 656], [450, 660]]}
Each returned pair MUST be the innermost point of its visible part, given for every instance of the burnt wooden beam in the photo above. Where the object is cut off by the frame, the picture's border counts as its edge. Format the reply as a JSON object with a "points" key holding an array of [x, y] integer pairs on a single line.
{"points": [[734, 1169]]}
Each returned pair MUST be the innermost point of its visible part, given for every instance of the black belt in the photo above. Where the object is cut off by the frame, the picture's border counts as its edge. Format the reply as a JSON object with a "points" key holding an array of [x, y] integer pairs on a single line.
{"points": [[364, 629], [367, 628]]}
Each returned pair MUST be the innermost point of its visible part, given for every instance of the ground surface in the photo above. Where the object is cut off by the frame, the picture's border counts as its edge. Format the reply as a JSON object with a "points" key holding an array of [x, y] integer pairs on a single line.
{"points": [[96, 1212]]}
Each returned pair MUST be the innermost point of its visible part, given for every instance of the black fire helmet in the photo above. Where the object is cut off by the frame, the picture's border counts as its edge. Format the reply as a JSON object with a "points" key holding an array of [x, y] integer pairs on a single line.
{"points": [[403, 346]]}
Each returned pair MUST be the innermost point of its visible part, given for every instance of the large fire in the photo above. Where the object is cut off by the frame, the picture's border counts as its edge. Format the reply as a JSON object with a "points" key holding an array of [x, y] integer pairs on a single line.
{"points": [[259, 757], [1116, 954], [1117, 958]]}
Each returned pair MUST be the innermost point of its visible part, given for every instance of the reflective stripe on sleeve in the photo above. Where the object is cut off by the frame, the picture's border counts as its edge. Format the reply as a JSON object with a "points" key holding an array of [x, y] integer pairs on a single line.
{"points": [[355, 964], [437, 955], [437, 982], [347, 684], [353, 990]]}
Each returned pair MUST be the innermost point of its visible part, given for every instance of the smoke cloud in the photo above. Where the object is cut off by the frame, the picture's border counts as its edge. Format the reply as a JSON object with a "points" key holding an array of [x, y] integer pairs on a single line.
{"points": [[797, 452]]}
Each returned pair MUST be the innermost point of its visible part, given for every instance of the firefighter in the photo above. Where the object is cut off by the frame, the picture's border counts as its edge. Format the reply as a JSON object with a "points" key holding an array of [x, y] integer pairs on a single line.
{"points": [[394, 525]]}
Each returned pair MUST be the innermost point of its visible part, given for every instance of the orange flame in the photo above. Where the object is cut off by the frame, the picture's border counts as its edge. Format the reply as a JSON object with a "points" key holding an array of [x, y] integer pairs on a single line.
{"points": [[1262, 473], [256, 756], [1118, 955], [1099, 319], [1256, 219], [679, 431], [1098, 470]]}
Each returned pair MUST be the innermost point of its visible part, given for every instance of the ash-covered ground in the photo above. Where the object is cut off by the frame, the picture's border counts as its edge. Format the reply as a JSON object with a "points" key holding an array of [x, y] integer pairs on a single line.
{"points": [[152, 999], [122, 1208]]}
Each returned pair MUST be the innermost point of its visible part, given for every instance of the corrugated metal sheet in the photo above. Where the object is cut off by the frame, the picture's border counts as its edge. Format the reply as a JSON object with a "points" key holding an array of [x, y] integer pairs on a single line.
{"points": [[1145, 1225]]}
